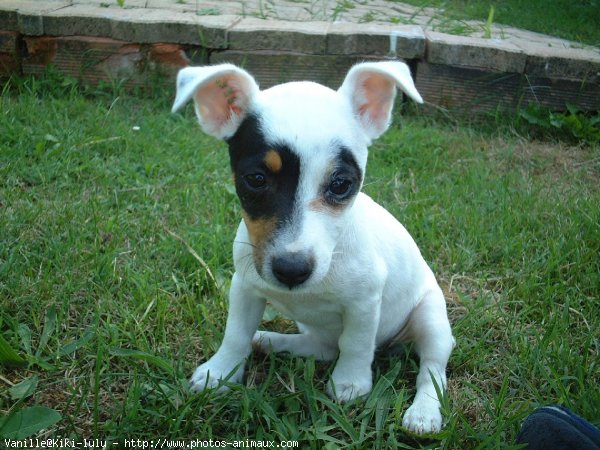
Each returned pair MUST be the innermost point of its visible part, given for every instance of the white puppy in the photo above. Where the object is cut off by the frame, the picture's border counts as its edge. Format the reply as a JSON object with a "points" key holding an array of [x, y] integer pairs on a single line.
{"points": [[310, 243]]}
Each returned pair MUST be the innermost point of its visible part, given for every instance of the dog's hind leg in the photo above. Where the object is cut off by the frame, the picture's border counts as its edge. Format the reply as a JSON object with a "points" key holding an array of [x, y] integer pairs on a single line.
{"points": [[430, 331], [302, 344]]}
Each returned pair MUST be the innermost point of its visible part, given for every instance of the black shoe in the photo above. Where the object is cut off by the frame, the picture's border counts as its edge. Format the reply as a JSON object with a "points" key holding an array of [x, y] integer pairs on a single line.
{"points": [[557, 428]]}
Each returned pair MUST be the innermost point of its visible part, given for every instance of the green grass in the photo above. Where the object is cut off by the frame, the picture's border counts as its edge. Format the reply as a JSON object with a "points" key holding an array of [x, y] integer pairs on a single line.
{"points": [[100, 292], [577, 21]]}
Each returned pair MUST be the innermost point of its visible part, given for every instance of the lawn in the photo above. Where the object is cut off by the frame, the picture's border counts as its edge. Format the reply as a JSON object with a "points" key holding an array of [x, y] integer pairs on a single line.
{"points": [[576, 21], [116, 224]]}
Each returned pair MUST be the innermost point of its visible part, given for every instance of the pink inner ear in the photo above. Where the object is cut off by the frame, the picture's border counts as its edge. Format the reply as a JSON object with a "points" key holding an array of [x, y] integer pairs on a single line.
{"points": [[218, 99], [378, 93]]}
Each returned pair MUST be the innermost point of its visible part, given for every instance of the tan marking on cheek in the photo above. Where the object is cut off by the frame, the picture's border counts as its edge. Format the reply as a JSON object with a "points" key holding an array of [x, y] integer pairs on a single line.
{"points": [[273, 161], [259, 231]]}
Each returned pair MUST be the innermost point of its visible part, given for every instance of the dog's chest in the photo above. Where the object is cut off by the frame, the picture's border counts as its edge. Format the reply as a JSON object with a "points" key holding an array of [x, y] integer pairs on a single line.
{"points": [[321, 310]]}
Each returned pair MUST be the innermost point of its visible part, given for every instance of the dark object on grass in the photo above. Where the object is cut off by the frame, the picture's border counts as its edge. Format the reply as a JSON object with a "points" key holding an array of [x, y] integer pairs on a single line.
{"points": [[557, 428]]}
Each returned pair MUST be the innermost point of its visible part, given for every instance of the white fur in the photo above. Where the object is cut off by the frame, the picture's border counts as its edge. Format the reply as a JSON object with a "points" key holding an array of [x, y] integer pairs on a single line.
{"points": [[370, 284]]}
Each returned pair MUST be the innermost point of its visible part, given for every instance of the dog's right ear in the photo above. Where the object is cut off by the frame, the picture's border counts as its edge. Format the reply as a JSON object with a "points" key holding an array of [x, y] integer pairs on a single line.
{"points": [[222, 95], [371, 88]]}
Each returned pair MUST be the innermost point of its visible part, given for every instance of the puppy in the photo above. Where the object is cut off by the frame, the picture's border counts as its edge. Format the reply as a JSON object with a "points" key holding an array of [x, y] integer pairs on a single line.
{"points": [[311, 243]]}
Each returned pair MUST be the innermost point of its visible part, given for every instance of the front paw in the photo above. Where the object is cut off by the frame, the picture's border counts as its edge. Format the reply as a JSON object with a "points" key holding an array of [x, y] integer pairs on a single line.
{"points": [[211, 376], [423, 417], [344, 389]]}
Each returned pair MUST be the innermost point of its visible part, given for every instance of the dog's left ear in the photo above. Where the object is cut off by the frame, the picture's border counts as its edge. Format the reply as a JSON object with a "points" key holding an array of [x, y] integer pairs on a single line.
{"points": [[371, 89]]}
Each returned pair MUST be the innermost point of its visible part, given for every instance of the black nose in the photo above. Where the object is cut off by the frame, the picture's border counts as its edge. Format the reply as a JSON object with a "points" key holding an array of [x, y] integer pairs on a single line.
{"points": [[292, 269]]}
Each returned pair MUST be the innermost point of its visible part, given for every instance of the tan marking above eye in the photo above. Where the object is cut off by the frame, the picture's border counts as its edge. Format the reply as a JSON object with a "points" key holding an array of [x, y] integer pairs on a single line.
{"points": [[273, 161]]}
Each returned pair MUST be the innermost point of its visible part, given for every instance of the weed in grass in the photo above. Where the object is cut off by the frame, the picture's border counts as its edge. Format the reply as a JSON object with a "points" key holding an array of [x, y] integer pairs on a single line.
{"points": [[487, 28], [265, 9], [115, 261], [208, 12], [341, 6], [367, 17], [456, 27], [574, 125]]}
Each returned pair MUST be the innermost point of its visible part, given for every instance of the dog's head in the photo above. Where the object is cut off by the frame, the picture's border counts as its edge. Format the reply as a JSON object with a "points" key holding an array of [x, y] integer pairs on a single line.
{"points": [[298, 154]]}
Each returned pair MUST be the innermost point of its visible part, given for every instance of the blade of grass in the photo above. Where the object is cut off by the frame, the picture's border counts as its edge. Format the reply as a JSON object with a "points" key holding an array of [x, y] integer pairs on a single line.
{"points": [[156, 361], [47, 331], [8, 356], [24, 389]]}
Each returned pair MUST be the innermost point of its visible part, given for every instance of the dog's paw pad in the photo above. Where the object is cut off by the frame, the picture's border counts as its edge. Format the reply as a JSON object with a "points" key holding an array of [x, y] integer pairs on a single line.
{"points": [[423, 418]]}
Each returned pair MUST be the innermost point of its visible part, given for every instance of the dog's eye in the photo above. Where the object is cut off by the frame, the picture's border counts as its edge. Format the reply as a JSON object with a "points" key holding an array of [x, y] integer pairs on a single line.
{"points": [[256, 180], [339, 187]]}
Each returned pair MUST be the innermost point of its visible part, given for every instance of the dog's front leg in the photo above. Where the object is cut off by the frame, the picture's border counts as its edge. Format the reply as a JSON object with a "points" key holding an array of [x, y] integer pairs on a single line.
{"points": [[352, 375], [245, 311], [430, 330]]}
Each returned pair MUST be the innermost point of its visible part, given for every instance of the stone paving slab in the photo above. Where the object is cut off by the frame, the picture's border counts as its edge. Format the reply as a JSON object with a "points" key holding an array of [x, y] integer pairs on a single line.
{"points": [[278, 35], [81, 20], [571, 64], [133, 24], [151, 26], [403, 41], [27, 16], [502, 56]]}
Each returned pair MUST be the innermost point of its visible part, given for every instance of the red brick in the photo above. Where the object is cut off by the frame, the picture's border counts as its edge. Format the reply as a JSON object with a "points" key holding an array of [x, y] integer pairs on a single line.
{"points": [[8, 41], [463, 89], [170, 57], [271, 68], [9, 64], [90, 59], [41, 50], [9, 60]]}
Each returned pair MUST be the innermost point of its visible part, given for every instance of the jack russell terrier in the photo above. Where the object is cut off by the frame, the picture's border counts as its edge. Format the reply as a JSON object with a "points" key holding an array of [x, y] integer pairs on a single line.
{"points": [[311, 243]]}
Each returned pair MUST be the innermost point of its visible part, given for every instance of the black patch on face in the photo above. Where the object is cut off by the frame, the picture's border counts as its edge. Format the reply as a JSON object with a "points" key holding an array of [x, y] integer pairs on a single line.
{"points": [[263, 193], [344, 181]]}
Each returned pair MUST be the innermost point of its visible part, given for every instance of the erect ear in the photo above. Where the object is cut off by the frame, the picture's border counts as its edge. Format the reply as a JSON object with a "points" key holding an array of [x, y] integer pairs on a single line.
{"points": [[222, 94], [371, 89]]}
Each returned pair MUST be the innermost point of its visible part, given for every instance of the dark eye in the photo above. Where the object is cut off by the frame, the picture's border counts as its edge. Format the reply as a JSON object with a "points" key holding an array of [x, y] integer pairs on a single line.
{"points": [[339, 187], [256, 181]]}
